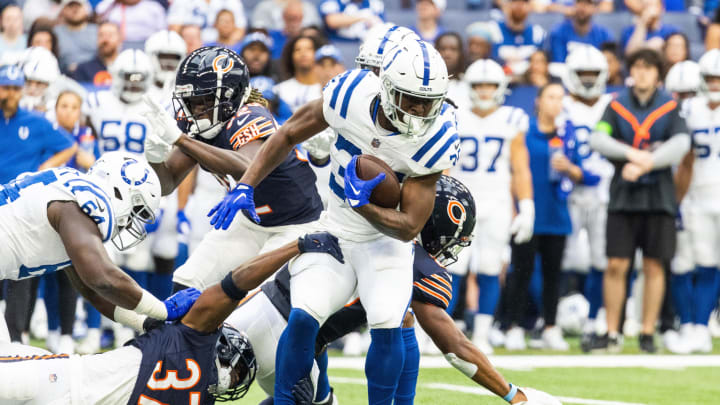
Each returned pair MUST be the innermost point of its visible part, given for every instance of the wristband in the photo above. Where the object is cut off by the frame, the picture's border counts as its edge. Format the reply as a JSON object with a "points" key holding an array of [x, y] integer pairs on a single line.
{"points": [[151, 306], [230, 289], [129, 318], [510, 395]]}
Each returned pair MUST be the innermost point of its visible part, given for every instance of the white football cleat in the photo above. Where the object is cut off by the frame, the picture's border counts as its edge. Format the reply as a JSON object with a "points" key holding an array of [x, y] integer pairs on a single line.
{"points": [[552, 339], [702, 340], [537, 397], [515, 339]]}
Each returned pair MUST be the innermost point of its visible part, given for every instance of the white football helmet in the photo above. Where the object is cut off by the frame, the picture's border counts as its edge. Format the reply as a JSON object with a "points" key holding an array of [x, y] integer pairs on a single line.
{"points": [[581, 60], [709, 66], [38, 65], [684, 79], [572, 313], [486, 71], [131, 75], [166, 50], [134, 191], [414, 70], [378, 41]]}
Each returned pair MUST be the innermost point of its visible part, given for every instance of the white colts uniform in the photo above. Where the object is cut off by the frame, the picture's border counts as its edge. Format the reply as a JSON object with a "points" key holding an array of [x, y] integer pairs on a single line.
{"points": [[484, 167], [377, 266], [702, 216], [588, 204]]}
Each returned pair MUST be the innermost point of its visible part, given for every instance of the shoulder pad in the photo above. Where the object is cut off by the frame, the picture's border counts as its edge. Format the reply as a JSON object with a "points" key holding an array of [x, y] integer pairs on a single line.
{"points": [[439, 149], [251, 122], [345, 91], [91, 198]]}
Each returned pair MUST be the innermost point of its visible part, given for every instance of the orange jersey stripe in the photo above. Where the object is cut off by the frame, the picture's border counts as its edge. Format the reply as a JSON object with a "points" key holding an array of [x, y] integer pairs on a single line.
{"points": [[431, 292], [442, 280], [437, 286]]}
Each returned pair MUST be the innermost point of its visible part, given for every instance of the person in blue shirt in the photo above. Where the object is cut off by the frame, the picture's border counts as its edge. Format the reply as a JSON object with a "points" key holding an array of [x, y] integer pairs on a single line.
{"points": [[648, 31], [556, 166], [514, 40], [351, 19], [428, 25], [578, 29]]}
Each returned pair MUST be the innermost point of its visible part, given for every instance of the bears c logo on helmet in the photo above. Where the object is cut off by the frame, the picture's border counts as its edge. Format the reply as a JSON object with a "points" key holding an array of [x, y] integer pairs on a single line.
{"points": [[456, 211], [216, 64]]}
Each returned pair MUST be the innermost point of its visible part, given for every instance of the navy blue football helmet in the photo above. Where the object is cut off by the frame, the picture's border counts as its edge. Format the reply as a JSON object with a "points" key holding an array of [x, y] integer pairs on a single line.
{"points": [[236, 365], [210, 85], [450, 226]]}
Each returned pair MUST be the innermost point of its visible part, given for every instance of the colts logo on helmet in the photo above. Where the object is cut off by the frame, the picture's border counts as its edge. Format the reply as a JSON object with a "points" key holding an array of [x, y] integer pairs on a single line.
{"points": [[456, 212], [129, 181], [228, 65]]}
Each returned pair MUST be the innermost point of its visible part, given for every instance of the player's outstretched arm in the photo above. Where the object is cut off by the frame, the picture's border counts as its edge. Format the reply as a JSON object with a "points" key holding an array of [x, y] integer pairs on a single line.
{"points": [[173, 171], [218, 301], [459, 351], [416, 203]]}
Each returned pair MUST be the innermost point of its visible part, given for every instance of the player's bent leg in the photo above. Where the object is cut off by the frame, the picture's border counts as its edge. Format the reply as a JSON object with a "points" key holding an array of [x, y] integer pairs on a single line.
{"points": [[486, 264], [295, 354], [32, 376]]}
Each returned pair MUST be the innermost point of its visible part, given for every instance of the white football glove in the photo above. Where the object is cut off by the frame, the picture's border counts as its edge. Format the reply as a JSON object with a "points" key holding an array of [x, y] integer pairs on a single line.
{"points": [[319, 145], [163, 124], [156, 150], [524, 222], [537, 397]]}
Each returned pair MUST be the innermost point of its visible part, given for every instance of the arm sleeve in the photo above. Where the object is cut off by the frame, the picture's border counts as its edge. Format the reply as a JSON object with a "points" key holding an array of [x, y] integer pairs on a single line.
{"points": [[603, 138], [671, 151]]}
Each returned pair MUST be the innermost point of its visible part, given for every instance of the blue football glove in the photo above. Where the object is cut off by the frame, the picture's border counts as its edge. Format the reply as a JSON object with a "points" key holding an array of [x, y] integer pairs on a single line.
{"points": [[180, 303], [183, 224], [239, 198], [321, 242], [303, 391], [153, 226], [357, 191]]}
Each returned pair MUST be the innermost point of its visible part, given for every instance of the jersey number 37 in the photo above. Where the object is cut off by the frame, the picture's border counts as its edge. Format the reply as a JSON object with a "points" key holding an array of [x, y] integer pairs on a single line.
{"points": [[171, 381]]}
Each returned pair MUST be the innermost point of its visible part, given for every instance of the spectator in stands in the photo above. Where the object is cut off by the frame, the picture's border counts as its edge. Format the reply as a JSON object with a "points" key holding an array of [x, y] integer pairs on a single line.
{"points": [[538, 71], [712, 36], [192, 35], [226, 31], [555, 166], [351, 19], [255, 51], [427, 25], [12, 37], [676, 49], [203, 13], [95, 70], [328, 63], [68, 114], [514, 39], [268, 15], [301, 85], [566, 7], [137, 19], [616, 77], [577, 29], [637, 6], [450, 46], [480, 41], [44, 37], [77, 37], [642, 208], [34, 10], [292, 16], [316, 32], [649, 30]]}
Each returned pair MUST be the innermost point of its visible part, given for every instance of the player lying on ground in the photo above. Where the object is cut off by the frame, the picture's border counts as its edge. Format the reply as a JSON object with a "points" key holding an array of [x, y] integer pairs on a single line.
{"points": [[264, 315], [193, 361], [59, 219], [221, 126]]}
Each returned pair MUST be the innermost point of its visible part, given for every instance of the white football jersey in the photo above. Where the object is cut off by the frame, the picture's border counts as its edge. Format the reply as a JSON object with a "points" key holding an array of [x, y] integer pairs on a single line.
{"points": [[119, 126], [704, 126], [296, 94], [584, 118], [484, 165], [350, 105], [29, 246]]}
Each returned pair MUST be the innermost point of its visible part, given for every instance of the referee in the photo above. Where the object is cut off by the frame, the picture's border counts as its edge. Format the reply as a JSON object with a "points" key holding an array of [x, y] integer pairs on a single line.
{"points": [[642, 134]]}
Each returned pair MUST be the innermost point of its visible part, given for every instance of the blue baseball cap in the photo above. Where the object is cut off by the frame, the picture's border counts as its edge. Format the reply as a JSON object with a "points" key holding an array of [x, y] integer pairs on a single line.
{"points": [[328, 51], [11, 75], [254, 37]]}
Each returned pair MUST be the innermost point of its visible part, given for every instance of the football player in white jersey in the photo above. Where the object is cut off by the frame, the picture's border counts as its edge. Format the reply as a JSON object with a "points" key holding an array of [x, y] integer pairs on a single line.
{"points": [[698, 175], [166, 49], [585, 80], [400, 117], [41, 70], [59, 218], [493, 161]]}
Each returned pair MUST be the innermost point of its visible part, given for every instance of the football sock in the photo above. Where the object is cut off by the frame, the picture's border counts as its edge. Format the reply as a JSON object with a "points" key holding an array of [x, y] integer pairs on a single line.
{"points": [[405, 393], [383, 365], [456, 283], [489, 287], [93, 316], [323, 385], [160, 285], [705, 293], [295, 353], [51, 298], [593, 292], [682, 294]]}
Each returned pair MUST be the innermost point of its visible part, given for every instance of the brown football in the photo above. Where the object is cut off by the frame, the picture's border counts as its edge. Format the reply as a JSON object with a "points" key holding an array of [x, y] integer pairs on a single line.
{"points": [[387, 193]]}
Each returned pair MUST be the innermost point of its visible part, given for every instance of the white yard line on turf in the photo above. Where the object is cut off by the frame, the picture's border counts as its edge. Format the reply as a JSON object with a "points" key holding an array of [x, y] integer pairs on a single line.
{"points": [[482, 391], [525, 363]]}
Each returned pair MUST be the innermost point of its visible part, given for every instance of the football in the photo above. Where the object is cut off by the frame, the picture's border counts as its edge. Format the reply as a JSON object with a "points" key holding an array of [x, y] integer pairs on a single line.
{"points": [[387, 193]]}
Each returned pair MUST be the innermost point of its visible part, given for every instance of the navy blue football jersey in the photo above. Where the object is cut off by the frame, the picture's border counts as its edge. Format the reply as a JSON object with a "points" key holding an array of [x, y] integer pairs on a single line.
{"points": [[178, 365], [432, 284], [288, 194]]}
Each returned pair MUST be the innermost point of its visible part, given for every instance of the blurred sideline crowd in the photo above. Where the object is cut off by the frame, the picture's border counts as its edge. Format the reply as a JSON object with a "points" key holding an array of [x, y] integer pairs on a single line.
{"points": [[75, 69]]}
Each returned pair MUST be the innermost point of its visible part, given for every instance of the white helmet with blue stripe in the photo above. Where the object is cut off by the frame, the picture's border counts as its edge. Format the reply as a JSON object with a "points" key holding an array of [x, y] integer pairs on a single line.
{"points": [[486, 71], [683, 78], [587, 72], [131, 75], [166, 50], [378, 42], [710, 66], [134, 191], [41, 70], [413, 76]]}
